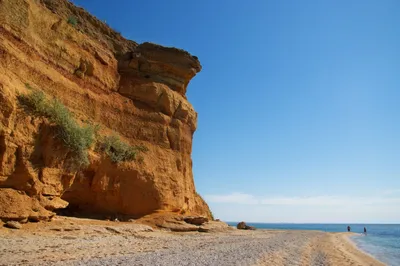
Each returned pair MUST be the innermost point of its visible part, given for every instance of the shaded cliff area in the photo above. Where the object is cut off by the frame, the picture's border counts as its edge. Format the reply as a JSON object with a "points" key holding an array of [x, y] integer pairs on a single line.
{"points": [[135, 92]]}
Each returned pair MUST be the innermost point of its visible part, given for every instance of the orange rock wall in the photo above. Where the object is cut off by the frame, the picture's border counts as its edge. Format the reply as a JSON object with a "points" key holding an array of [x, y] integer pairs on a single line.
{"points": [[136, 91]]}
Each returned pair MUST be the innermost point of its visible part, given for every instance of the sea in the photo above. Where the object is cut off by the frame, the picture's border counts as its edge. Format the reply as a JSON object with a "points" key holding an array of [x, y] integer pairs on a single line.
{"points": [[382, 240]]}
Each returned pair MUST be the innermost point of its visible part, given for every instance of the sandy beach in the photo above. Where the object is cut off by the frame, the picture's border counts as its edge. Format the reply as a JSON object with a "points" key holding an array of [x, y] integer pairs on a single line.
{"points": [[72, 241]]}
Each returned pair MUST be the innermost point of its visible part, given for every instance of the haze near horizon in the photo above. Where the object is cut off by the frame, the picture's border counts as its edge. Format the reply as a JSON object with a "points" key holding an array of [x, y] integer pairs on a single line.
{"points": [[298, 103]]}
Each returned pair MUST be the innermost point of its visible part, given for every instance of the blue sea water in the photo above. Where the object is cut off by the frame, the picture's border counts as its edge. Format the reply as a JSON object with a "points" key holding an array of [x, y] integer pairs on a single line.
{"points": [[382, 240]]}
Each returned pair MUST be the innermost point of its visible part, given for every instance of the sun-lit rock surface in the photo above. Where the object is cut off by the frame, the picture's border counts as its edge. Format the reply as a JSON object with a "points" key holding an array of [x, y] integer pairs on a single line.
{"points": [[136, 91]]}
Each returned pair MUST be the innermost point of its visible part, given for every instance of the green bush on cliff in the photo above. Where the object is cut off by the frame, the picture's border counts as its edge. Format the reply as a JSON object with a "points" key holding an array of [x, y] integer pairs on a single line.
{"points": [[119, 151], [76, 138], [35, 101], [73, 21]]}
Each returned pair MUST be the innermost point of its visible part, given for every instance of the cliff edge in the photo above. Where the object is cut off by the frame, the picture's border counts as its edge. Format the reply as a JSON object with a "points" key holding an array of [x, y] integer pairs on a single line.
{"points": [[134, 96]]}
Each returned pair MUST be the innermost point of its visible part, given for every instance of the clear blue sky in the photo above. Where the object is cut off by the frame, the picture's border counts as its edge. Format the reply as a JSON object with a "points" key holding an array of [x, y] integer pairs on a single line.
{"points": [[298, 102]]}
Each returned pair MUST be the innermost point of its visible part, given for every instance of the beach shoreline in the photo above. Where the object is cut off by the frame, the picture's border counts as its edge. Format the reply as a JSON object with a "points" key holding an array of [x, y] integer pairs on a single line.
{"points": [[328, 248], [365, 256], [348, 238], [70, 241]]}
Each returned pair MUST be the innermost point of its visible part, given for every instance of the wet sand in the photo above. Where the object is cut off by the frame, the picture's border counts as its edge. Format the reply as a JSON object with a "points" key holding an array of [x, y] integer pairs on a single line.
{"points": [[70, 241]]}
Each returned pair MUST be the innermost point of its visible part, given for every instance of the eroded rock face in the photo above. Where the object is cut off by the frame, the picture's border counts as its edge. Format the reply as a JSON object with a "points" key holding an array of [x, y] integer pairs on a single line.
{"points": [[137, 91], [17, 206], [170, 66]]}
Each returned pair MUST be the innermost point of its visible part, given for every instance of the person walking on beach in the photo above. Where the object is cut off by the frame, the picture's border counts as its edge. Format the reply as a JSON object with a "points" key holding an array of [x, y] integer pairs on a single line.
{"points": [[365, 231], [348, 228]]}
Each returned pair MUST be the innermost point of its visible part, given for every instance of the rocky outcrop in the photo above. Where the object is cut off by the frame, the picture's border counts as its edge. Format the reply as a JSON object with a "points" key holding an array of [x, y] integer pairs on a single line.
{"points": [[214, 227], [134, 90], [196, 220], [13, 225], [181, 226], [16, 205], [244, 226], [179, 223]]}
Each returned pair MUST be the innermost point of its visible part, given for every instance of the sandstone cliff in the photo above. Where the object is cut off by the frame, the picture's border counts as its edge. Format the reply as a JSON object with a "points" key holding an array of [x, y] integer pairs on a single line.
{"points": [[134, 90]]}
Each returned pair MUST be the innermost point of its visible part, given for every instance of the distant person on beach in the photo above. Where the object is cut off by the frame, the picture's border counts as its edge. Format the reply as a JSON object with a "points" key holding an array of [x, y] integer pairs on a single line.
{"points": [[348, 228], [365, 231]]}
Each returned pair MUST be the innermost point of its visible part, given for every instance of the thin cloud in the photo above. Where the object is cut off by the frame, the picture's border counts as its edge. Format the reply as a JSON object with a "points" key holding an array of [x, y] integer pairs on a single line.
{"points": [[328, 201], [391, 192], [237, 198], [242, 198]]}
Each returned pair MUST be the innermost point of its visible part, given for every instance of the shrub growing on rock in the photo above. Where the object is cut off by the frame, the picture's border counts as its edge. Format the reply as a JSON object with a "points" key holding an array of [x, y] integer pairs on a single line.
{"points": [[120, 151], [73, 21], [76, 138]]}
